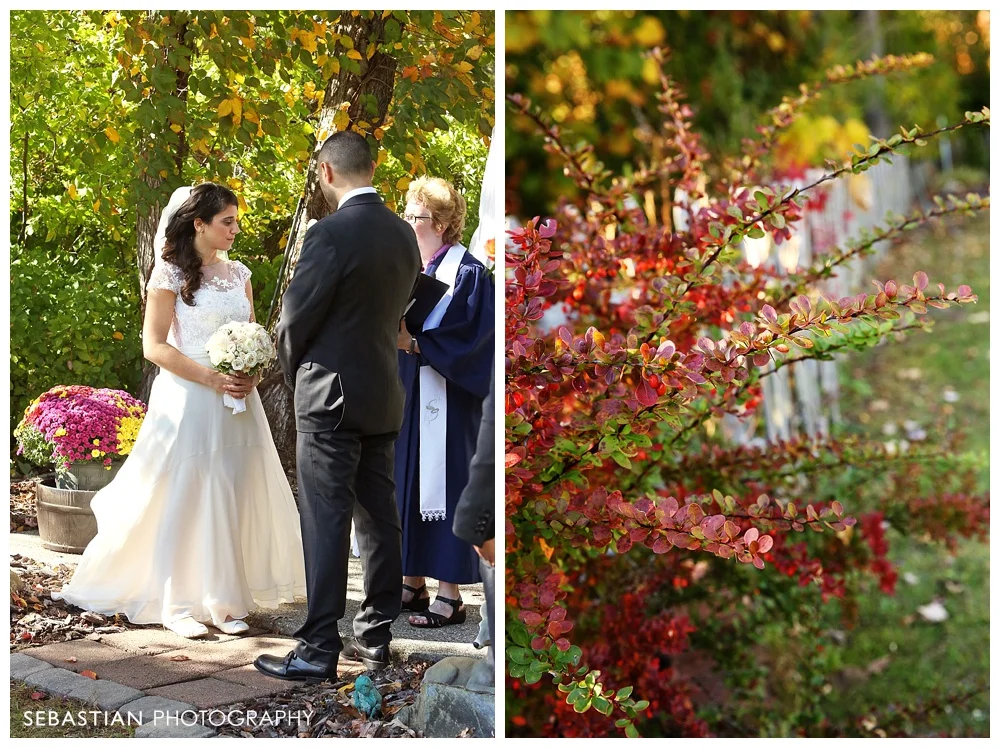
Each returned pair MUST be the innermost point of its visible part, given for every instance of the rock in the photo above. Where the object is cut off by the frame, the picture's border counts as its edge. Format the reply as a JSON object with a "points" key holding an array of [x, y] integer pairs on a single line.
{"points": [[452, 700], [16, 583]]}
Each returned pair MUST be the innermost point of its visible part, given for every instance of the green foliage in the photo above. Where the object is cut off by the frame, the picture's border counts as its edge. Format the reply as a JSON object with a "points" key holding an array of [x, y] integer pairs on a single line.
{"points": [[74, 320]]}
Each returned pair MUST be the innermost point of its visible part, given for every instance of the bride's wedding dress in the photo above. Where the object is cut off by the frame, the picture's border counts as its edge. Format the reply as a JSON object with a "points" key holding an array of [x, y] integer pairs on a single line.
{"points": [[200, 521]]}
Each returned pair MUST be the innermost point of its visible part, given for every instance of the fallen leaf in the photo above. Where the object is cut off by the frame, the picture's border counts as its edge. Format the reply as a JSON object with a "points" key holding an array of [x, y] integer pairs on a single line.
{"points": [[70, 659], [179, 658], [89, 674], [933, 612], [38, 696], [879, 665]]}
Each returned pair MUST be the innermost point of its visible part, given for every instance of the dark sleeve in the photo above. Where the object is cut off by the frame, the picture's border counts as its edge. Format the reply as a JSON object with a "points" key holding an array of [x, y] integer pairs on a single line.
{"points": [[306, 300], [474, 514], [461, 347]]}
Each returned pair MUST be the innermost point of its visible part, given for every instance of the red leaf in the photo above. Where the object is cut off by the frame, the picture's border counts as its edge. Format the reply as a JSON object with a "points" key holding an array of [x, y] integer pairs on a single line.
{"points": [[531, 618], [38, 695], [511, 459], [645, 394], [920, 280], [89, 674]]}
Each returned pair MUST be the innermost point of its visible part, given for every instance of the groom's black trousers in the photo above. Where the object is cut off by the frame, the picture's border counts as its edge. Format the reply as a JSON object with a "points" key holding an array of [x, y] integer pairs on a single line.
{"points": [[343, 475]]}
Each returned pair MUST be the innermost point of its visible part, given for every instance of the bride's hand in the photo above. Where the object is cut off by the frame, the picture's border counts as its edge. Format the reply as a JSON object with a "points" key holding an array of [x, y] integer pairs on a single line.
{"points": [[245, 385], [225, 384]]}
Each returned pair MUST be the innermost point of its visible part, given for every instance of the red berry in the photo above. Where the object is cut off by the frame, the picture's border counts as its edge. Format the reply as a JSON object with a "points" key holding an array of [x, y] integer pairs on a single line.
{"points": [[654, 381]]}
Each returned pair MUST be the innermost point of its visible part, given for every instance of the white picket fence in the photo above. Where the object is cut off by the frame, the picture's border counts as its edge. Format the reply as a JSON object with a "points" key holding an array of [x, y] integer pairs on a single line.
{"points": [[803, 400]]}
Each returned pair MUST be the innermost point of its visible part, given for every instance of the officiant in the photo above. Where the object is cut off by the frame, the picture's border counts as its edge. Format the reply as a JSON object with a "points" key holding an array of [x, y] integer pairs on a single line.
{"points": [[445, 362]]}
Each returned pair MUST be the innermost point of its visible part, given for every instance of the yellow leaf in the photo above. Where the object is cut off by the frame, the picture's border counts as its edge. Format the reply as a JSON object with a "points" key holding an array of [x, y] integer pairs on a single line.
{"points": [[371, 50], [72, 192], [464, 67], [476, 18], [403, 183], [243, 204], [251, 115], [164, 174], [354, 55], [379, 133], [386, 14], [237, 110], [117, 335], [341, 120], [112, 134], [248, 42], [225, 108], [363, 125], [382, 155], [308, 41], [331, 68], [474, 53], [97, 207], [175, 128], [41, 47]]}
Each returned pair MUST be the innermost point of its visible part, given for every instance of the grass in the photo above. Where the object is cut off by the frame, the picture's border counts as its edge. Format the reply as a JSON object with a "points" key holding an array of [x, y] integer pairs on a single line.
{"points": [[76, 726], [908, 381]]}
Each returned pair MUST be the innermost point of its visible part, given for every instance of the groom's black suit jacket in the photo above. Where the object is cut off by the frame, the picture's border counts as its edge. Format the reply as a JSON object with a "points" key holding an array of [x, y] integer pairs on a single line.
{"points": [[340, 318]]}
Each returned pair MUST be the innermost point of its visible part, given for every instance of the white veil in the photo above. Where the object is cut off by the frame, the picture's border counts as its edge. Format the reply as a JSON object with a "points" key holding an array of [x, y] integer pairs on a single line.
{"points": [[487, 207], [180, 196]]}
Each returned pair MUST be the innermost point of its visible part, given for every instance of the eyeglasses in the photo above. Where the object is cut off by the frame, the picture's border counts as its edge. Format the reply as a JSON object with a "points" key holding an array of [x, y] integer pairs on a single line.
{"points": [[410, 218]]}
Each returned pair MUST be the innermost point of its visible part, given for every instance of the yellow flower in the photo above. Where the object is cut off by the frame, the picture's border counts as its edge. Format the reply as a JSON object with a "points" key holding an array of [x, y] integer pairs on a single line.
{"points": [[95, 453], [97, 442], [61, 432]]}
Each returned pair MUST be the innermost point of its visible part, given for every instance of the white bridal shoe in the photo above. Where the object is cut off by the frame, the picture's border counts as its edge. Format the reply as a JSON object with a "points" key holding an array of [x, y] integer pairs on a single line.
{"points": [[187, 627], [235, 626]]}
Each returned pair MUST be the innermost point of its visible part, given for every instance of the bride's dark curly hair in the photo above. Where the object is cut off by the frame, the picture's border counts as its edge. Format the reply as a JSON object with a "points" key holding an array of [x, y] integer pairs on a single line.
{"points": [[205, 202]]}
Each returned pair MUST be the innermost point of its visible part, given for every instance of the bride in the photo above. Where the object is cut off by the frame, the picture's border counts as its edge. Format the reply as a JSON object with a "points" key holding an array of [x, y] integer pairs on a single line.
{"points": [[199, 525]]}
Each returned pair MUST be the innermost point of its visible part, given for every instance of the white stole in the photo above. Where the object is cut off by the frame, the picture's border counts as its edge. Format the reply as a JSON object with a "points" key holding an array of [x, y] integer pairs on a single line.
{"points": [[434, 404]]}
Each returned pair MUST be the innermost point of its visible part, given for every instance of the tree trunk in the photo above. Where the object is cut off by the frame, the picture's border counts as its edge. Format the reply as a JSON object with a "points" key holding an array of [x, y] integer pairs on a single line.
{"points": [[148, 216], [376, 78]]}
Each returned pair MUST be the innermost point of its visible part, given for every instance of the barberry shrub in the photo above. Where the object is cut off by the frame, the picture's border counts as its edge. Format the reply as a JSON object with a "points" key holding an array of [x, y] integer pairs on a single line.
{"points": [[644, 554]]}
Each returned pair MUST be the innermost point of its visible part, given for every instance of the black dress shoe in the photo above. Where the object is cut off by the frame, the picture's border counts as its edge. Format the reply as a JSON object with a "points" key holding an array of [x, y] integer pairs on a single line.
{"points": [[373, 658], [293, 667]]}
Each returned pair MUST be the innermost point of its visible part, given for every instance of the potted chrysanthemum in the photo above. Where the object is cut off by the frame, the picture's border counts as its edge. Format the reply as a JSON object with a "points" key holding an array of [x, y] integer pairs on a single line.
{"points": [[85, 434]]}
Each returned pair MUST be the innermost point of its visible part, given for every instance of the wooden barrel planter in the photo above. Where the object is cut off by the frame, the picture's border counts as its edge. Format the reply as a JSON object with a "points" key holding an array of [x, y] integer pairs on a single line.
{"points": [[65, 520]]}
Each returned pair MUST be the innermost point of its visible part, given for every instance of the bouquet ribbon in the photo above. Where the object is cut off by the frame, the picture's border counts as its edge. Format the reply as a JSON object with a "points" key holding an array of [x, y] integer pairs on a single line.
{"points": [[238, 406]]}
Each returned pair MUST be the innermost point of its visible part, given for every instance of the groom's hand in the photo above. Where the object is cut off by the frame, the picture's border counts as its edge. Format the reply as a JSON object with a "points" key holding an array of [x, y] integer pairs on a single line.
{"points": [[486, 551]]}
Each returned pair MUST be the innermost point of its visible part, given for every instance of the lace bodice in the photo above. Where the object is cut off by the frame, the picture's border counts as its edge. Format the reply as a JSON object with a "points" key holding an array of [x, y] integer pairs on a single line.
{"points": [[221, 298]]}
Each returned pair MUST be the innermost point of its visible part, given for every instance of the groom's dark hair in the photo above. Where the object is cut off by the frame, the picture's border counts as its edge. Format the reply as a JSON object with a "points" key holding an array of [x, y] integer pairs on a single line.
{"points": [[349, 153]]}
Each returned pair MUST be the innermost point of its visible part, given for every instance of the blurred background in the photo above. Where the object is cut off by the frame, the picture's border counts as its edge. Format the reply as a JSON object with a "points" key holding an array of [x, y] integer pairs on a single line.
{"points": [[585, 70]]}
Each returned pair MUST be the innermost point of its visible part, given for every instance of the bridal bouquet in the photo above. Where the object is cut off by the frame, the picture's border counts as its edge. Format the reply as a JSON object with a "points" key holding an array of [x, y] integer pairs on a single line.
{"points": [[243, 347]]}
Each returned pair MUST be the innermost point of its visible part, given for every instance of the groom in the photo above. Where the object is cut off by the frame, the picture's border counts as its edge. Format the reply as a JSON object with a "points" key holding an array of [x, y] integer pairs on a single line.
{"points": [[337, 348]]}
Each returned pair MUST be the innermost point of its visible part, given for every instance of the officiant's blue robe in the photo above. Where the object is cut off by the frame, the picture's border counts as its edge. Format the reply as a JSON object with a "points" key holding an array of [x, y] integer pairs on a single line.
{"points": [[461, 350]]}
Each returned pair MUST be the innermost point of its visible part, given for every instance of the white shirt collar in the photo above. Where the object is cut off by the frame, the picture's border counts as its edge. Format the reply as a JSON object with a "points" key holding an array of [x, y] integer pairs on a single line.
{"points": [[355, 192]]}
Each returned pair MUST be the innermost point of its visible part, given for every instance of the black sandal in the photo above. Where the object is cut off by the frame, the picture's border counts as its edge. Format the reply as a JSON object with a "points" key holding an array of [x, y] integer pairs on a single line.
{"points": [[436, 620], [416, 603]]}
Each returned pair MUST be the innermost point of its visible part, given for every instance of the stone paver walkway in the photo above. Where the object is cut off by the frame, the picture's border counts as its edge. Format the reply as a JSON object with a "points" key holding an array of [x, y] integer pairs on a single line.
{"points": [[151, 673]]}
